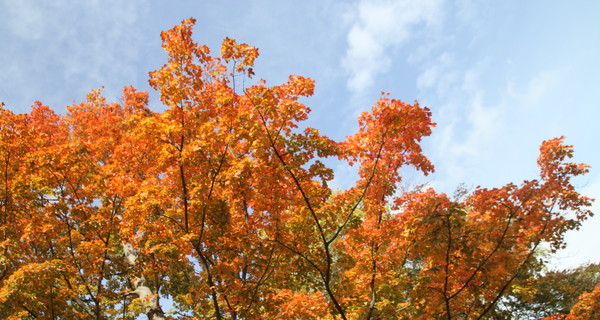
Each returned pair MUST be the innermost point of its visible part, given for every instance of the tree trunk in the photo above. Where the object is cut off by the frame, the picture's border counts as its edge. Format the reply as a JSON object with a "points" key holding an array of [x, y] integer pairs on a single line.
{"points": [[150, 299]]}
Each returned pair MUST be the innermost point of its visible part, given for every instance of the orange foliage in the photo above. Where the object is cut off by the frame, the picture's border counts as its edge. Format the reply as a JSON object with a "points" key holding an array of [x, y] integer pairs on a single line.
{"points": [[587, 307], [221, 204]]}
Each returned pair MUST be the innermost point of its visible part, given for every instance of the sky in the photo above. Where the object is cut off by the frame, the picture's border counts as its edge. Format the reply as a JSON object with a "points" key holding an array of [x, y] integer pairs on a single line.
{"points": [[499, 76]]}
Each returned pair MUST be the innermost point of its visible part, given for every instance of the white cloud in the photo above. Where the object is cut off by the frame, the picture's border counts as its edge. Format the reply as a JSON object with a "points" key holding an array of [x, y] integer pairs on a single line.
{"points": [[485, 121], [483, 127], [428, 77], [23, 19], [468, 119], [438, 74], [538, 87], [378, 27], [464, 134], [59, 44]]}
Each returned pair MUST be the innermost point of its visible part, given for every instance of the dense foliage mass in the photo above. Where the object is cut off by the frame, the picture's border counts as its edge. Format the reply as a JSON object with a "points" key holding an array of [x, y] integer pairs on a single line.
{"points": [[551, 293], [221, 205]]}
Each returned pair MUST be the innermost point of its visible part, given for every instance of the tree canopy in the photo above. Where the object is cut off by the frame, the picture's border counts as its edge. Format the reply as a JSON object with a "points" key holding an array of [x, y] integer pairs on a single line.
{"points": [[552, 293], [221, 205]]}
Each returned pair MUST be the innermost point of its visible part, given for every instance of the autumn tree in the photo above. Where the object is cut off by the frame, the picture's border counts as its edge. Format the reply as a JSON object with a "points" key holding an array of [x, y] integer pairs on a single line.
{"points": [[221, 204], [550, 293], [587, 306]]}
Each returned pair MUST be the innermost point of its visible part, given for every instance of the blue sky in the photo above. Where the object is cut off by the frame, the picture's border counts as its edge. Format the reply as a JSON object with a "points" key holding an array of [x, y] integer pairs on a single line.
{"points": [[499, 76]]}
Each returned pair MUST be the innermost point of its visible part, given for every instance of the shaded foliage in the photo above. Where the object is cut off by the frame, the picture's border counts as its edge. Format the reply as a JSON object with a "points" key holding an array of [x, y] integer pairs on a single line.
{"points": [[551, 293]]}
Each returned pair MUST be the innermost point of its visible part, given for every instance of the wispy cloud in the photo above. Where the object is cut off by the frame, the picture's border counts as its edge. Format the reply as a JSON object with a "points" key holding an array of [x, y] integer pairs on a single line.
{"points": [[377, 28], [59, 44], [472, 116], [537, 88]]}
